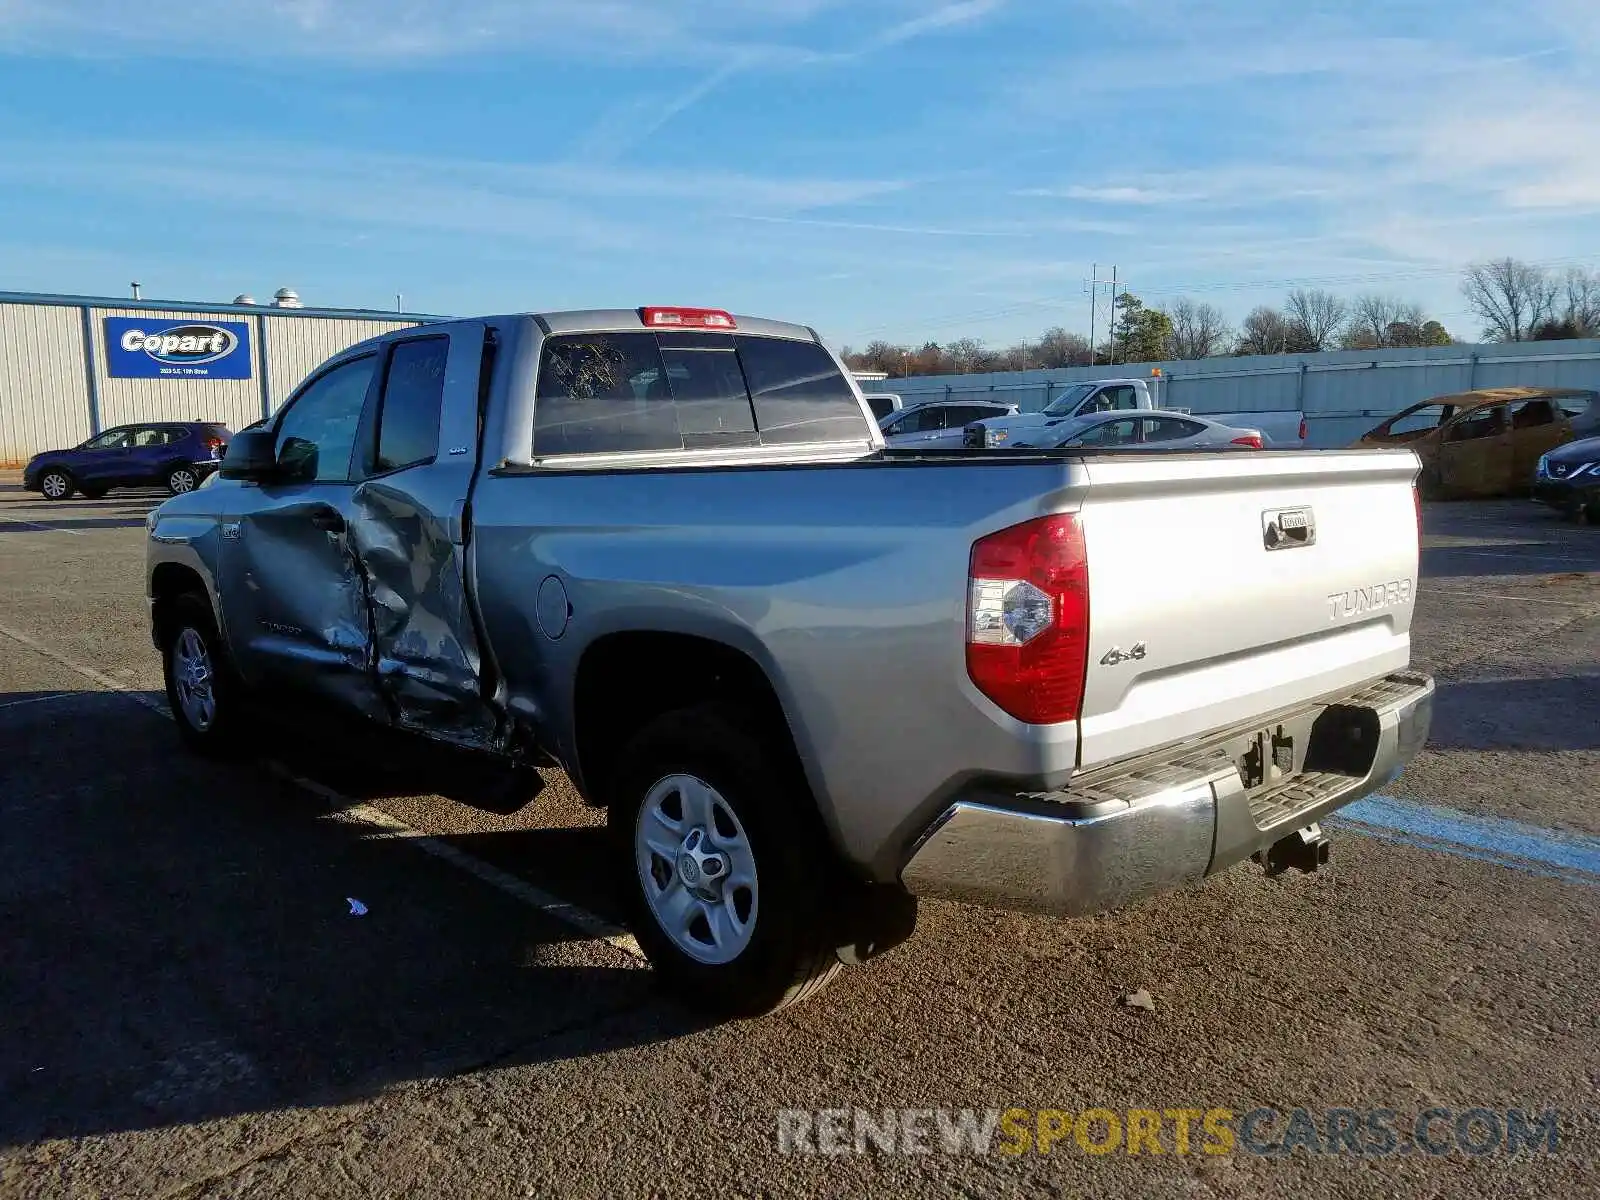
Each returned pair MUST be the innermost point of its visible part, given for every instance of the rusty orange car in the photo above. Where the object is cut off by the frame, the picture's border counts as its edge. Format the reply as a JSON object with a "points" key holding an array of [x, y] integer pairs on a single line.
{"points": [[1483, 443]]}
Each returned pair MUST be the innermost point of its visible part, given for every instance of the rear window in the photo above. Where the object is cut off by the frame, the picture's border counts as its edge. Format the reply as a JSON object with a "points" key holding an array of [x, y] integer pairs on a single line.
{"points": [[612, 392], [799, 394]]}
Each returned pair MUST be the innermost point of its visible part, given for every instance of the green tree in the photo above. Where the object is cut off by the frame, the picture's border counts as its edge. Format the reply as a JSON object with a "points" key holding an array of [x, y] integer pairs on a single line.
{"points": [[1140, 334]]}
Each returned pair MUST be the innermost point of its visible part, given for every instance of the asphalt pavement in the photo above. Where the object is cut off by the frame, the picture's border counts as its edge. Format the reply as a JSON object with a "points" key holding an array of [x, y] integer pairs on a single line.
{"points": [[190, 1004]]}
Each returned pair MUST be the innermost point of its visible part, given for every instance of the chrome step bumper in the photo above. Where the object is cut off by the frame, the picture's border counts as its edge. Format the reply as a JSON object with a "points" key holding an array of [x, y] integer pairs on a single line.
{"points": [[1135, 829]]}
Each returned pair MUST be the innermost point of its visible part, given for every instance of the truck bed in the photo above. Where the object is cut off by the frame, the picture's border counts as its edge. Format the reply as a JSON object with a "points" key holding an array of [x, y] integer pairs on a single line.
{"points": [[846, 582]]}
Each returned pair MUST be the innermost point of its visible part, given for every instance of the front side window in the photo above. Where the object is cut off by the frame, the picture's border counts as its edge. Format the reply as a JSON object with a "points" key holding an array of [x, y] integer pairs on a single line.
{"points": [[413, 396], [1420, 420], [317, 432], [111, 439]]}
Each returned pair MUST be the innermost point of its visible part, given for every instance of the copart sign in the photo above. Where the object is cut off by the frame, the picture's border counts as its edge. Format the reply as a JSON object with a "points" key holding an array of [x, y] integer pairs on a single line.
{"points": [[143, 348]]}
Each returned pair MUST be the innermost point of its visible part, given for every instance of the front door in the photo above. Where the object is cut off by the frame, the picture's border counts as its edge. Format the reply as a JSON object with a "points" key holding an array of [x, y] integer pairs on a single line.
{"points": [[104, 461], [295, 599], [1475, 454]]}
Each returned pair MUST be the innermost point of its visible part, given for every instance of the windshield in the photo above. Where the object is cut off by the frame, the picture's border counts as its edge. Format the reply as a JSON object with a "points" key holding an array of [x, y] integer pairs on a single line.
{"points": [[1068, 400]]}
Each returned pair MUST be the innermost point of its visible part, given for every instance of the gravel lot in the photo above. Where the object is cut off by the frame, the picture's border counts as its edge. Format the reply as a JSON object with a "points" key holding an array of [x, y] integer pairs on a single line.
{"points": [[187, 1007]]}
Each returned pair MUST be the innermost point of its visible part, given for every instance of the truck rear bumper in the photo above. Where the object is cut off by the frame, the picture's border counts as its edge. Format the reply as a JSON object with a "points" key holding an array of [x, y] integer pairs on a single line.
{"points": [[1135, 829]]}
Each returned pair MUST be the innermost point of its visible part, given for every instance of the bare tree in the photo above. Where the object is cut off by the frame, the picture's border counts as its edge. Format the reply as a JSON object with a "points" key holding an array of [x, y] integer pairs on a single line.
{"points": [[1581, 301], [1317, 317], [1058, 348], [1378, 322], [1198, 330], [969, 356], [1265, 331], [1512, 298]]}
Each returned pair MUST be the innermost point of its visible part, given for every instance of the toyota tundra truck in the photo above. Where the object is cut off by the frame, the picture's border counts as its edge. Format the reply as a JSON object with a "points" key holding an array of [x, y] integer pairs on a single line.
{"points": [[809, 678]]}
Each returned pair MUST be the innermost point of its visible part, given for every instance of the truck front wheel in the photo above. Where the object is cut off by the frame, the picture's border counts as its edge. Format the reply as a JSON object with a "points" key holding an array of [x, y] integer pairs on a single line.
{"points": [[726, 873], [202, 691]]}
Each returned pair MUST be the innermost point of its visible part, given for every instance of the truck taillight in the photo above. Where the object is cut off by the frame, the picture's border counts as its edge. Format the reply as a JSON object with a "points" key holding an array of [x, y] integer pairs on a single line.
{"points": [[686, 318], [1302, 429], [1028, 619], [1416, 502]]}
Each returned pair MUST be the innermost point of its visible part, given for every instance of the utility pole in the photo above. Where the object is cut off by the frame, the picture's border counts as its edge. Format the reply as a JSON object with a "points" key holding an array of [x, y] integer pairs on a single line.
{"points": [[1093, 285]]}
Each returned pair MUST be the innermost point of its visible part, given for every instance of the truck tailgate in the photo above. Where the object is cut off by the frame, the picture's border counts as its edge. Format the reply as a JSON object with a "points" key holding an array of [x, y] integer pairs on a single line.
{"points": [[1226, 587]]}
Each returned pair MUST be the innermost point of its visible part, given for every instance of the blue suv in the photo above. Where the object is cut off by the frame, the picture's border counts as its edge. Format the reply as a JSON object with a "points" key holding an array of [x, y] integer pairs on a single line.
{"points": [[177, 455]]}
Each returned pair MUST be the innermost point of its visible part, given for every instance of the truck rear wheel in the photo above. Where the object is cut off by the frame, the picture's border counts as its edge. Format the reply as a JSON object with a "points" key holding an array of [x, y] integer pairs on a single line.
{"points": [[725, 870]]}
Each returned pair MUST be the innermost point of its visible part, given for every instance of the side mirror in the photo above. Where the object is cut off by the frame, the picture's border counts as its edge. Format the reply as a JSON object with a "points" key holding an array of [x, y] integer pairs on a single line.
{"points": [[251, 455]]}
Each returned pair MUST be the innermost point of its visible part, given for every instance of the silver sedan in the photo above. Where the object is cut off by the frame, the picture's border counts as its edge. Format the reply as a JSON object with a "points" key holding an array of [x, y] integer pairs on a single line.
{"points": [[1165, 430]]}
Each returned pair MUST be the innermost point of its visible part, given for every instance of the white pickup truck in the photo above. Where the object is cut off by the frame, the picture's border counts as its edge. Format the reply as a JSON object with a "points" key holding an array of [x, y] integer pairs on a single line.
{"points": [[1280, 429]]}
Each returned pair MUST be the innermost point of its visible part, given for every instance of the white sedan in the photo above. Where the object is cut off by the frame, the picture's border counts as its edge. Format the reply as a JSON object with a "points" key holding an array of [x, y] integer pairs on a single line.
{"points": [[1163, 430]]}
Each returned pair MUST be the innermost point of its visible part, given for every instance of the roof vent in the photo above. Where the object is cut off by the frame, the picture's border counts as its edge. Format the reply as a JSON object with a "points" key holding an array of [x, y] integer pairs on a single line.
{"points": [[287, 298], [244, 298]]}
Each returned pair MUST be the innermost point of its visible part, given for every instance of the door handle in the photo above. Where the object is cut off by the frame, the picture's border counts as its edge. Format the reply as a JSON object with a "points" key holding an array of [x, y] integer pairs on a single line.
{"points": [[329, 520]]}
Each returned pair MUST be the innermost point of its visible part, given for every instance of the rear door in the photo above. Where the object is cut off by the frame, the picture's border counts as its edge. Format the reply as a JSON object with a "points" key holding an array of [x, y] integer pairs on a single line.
{"points": [[1475, 456], [415, 460], [149, 453], [1537, 427], [1226, 586]]}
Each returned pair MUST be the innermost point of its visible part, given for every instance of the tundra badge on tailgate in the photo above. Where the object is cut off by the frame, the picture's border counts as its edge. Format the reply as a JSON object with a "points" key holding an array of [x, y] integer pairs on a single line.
{"points": [[1286, 528]]}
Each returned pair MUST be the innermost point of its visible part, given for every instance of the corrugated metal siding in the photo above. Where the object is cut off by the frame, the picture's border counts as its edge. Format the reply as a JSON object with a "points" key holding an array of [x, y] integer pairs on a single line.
{"points": [[296, 346], [44, 394], [234, 402]]}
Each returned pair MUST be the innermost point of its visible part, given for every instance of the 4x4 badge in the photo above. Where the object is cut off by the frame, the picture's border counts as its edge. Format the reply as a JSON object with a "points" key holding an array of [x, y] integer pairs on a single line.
{"points": [[1117, 655]]}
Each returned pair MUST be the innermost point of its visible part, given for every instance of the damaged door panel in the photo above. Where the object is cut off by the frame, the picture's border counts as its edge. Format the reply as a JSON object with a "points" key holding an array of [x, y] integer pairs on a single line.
{"points": [[419, 466], [294, 591], [1475, 456]]}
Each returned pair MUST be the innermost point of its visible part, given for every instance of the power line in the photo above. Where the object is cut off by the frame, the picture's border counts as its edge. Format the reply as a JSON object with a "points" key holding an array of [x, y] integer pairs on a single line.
{"points": [[1024, 305]]}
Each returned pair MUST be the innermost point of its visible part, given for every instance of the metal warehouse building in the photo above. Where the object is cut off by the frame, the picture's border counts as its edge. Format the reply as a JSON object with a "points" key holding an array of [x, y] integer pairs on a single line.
{"points": [[72, 366]]}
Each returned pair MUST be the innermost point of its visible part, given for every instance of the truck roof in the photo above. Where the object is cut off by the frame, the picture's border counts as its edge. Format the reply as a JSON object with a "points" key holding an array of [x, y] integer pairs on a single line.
{"points": [[616, 320]]}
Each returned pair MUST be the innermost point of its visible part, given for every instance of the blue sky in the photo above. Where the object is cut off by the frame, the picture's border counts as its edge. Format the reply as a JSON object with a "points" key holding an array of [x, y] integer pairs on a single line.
{"points": [[876, 168]]}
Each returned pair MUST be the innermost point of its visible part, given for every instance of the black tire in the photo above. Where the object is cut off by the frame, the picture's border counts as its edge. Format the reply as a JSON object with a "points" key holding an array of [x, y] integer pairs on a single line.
{"points": [[790, 954], [57, 484], [181, 478], [220, 736]]}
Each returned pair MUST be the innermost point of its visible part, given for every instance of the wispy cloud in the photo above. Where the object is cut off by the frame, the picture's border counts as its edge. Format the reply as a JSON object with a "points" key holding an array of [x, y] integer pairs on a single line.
{"points": [[381, 31], [582, 205], [946, 17], [875, 227]]}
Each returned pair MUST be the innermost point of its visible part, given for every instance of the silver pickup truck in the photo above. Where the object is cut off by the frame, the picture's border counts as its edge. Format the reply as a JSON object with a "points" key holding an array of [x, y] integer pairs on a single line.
{"points": [[810, 678]]}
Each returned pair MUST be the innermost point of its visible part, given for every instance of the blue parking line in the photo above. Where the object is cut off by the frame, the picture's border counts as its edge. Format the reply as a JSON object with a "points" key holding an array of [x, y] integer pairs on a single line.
{"points": [[1522, 847]]}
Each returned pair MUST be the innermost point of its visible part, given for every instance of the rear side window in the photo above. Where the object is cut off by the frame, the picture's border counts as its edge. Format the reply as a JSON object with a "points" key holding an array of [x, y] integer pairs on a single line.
{"points": [[1167, 429], [799, 393], [413, 394], [601, 393]]}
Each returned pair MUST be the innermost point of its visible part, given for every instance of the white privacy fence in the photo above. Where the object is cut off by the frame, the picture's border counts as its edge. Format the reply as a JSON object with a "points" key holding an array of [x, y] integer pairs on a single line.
{"points": [[1343, 393]]}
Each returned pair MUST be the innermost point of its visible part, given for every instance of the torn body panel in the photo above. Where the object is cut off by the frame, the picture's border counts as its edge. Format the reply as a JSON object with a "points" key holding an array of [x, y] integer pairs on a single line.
{"points": [[296, 599], [425, 645]]}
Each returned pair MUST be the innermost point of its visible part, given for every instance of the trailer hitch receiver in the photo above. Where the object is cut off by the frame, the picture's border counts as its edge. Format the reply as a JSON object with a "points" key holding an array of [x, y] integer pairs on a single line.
{"points": [[1304, 850]]}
